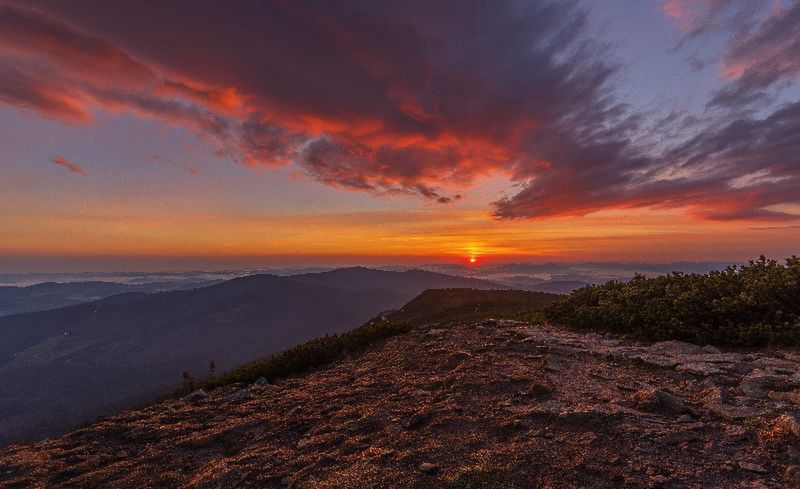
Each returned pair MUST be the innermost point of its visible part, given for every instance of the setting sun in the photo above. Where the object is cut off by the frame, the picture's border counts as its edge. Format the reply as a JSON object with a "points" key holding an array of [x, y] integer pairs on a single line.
{"points": [[472, 259]]}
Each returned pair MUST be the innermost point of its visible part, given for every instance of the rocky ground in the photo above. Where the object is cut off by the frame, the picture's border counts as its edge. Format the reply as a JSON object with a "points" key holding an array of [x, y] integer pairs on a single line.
{"points": [[497, 404]]}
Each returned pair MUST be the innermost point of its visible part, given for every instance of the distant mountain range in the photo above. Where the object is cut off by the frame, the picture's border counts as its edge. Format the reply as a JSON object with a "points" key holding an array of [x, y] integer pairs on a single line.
{"points": [[28, 292], [52, 295], [562, 278], [65, 366]]}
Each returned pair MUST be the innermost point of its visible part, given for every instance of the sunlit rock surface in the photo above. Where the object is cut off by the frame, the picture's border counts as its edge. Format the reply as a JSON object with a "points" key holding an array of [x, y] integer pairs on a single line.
{"points": [[497, 404]]}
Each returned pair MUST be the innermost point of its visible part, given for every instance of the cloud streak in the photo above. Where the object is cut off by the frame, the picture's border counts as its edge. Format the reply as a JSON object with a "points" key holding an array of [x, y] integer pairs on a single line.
{"points": [[65, 163]]}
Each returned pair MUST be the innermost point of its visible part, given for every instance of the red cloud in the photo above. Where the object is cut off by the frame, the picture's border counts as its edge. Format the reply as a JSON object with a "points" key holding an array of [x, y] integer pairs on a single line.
{"points": [[34, 37], [74, 168], [34, 88]]}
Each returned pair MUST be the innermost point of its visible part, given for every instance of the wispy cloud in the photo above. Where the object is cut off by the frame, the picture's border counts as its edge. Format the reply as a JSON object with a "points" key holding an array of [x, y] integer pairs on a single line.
{"points": [[761, 47], [775, 228], [65, 163], [191, 169]]}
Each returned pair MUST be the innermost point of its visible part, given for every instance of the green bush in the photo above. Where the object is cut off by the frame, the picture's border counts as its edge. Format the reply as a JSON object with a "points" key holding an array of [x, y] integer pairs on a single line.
{"points": [[753, 305]]}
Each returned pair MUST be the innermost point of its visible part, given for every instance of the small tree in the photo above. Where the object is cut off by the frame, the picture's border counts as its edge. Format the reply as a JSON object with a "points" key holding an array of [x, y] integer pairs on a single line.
{"points": [[212, 369], [189, 382]]}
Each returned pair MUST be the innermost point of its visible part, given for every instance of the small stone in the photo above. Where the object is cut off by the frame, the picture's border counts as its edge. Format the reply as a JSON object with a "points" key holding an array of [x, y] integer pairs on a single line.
{"points": [[676, 348], [788, 423], [726, 358], [246, 426], [749, 389], [732, 413], [792, 476], [699, 368], [661, 400], [261, 381], [553, 406], [717, 395], [239, 395], [752, 467], [657, 360], [768, 380], [417, 419], [428, 468], [735, 432], [227, 478], [609, 342], [197, 396], [624, 386]]}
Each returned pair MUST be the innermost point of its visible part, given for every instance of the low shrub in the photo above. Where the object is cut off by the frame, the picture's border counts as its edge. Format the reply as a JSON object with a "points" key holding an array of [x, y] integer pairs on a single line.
{"points": [[752, 305]]}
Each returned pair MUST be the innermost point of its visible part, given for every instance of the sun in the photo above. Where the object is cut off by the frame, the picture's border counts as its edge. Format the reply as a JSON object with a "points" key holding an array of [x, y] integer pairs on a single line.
{"points": [[472, 259]]}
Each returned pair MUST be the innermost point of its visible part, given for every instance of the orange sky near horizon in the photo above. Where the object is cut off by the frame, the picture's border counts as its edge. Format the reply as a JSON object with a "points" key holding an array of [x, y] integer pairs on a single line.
{"points": [[416, 236]]}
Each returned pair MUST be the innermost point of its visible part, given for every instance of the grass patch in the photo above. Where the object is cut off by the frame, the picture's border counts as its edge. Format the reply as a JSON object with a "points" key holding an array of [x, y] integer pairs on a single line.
{"points": [[757, 304], [438, 306]]}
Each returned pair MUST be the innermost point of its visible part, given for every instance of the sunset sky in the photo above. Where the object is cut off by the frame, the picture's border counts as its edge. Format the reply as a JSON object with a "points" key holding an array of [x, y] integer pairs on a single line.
{"points": [[242, 133]]}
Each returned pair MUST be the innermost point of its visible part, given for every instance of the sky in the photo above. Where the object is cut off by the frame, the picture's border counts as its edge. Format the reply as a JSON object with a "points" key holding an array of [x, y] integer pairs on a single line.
{"points": [[161, 135]]}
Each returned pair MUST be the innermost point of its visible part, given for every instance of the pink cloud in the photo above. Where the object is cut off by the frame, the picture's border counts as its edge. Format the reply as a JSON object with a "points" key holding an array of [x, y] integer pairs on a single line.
{"points": [[695, 16]]}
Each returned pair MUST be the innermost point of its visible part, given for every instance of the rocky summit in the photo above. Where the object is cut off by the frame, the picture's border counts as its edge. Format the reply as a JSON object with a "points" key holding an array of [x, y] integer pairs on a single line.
{"points": [[494, 404]]}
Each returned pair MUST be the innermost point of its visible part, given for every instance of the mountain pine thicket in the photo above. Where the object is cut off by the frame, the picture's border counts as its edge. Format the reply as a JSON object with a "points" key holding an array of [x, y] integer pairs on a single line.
{"points": [[756, 304]]}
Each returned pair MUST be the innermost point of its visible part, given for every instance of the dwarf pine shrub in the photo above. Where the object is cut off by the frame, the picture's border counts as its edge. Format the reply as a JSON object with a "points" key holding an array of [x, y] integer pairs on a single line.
{"points": [[755, 304]]}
